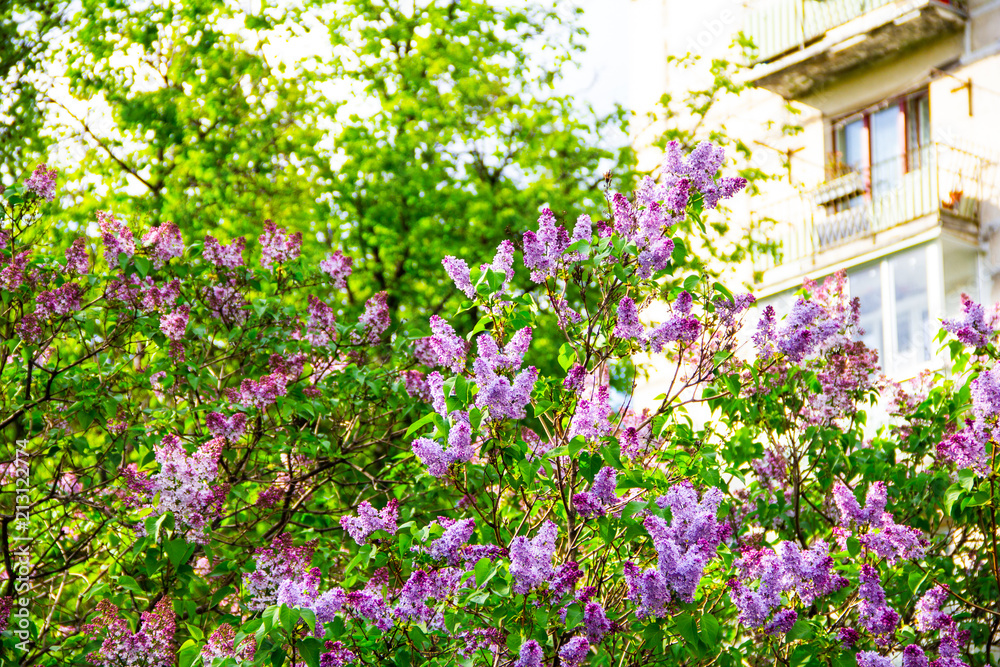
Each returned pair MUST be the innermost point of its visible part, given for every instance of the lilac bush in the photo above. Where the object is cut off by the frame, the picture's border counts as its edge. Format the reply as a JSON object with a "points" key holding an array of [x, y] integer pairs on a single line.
{"points": [[231, 462]]}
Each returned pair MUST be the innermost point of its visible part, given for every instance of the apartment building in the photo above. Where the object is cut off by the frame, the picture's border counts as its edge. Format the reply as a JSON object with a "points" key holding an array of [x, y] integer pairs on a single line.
{"points": [[893, 176]]}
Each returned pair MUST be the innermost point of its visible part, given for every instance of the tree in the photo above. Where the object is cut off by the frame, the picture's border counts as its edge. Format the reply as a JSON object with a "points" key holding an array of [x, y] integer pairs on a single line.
{"points": [[210, 465]]}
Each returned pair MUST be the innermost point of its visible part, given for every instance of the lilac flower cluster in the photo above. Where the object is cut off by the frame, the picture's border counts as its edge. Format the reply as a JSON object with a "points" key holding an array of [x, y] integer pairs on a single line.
{"points": [[460, 447], [13, 274], [164, 243], [226, 303], [530, 655], [601, 495], [184, 485], [229, 428], [42, 182], [277, 245], [448, 547], [117, 238], [374, 321], [338, 268], [545, 251], [224, 256], [967, 448], [531, 560], [302, 593], [503, 264], [595, 622], [173, 325], [574, 652], [321, 326], [260, 393], [449, 348], [874, 613], [422, 586], [682, 327], [929, 617], [458, 271], [77, 260], [592, 416], [369, 520], [697, 170], [152, 645], [685, 546], [497, 394], [58, 302], [336, 655], [808, 573], [222, 644], [884, 536], [972, 328], [273, 565]]}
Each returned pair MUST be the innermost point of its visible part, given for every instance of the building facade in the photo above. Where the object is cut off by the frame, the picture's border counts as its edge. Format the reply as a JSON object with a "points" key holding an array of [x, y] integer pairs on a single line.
{"points": [[892, 172]]}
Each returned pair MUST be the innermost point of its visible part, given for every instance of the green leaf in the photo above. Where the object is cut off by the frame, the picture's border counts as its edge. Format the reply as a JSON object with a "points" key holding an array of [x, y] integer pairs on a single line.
{"points": [[710, 626], [916, 579], [483, 568], [687, 629], [128, 583], [309, 649], [420, 423], [288, 618], [188, 651], [691, 283], [567, 356], [178, 551], [574, 616], [142, 265], [853, 546]]}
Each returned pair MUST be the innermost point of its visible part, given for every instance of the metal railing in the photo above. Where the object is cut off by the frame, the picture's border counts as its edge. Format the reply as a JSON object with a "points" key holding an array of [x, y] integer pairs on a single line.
{"points": [[934, 179], [784, 25]]}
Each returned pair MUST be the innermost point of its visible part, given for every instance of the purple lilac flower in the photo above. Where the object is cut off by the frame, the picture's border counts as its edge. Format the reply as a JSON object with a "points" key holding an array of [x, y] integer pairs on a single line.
{"points": [[435, 386], [596, 622], [872, 659], [564, 579], [531, 560], [501, 397], [42, 182], [458, 271], [369, 520], [165, 243], [260, 393], [490, 640], [647, 590], [929, 615], [6, 604], [690, 541], [451, 350], [591, 418], [231, 428], [601, 494], [370, 605], [884, 536], [275, 564], [972, 328], [848, 637], [575, 378], [913, 656], [503, 263], [374, 321], [544, 250], [782, 622], [729, 309], [628, 325], [117, 238], [338, 267], [574, 652], [965, 450], [321, 326], [460, 447], [222, 644], [530, 655], [58, 302], [152, 645], [174, 325], [13, 275], [448, 547], [224, 256], [674, 330], [336, 655], [421, 587], [226, 303], [277, 245], [77, 260], [873, 612]]}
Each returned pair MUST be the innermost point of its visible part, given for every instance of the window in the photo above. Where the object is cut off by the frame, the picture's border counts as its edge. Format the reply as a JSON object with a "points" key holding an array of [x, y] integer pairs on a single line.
{"points": [[881, 145], [895, 309]]}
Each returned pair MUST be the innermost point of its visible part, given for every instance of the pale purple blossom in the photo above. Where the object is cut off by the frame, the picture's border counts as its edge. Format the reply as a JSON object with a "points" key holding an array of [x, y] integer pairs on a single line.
{"points": [[972, 328], [530, 655], [260, 393], [531, 560], [499, 395], [544, 249], [448, 547], [874, 613], [627, 324], [596, 622], [222, 644], [929, 615], [174, 324], [369, 520], [374, 321], [152, 645], [872, 659], [224, 256], [277, 245], [164, 242], [601, 494], [883, 535], [451, 350], [460, 446], [231, 428], [42, 182], [117, 238], [782, 622], [458, 271], [503, 264], [574, 652], [338, 268], [592, 417], [336, 655], [913, 656], [58, 302], [275, 564], [77, 260]]}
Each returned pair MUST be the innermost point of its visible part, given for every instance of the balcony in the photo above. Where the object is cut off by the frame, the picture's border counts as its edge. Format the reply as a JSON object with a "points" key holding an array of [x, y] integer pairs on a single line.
{"points": [[804, 44], [863, 211]]}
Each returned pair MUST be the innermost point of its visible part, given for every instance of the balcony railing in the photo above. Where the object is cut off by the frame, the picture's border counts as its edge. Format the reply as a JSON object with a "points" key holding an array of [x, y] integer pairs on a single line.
{"points": [[933, 180], [785, 25]]}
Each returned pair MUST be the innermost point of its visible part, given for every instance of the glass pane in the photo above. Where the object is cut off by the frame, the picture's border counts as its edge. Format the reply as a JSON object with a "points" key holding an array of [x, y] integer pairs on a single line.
{"points": [[909, 283], [887, 163], [918, 130], [850, 146], [866, 285]]}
